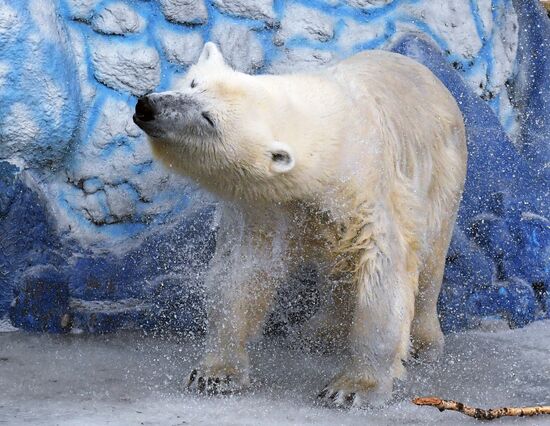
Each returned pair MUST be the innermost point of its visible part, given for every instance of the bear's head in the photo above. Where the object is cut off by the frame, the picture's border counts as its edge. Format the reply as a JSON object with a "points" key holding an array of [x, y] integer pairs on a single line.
{"points": [[216, 126]]}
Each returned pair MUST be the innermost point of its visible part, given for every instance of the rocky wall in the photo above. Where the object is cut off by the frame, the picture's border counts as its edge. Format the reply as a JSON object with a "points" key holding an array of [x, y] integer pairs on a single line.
{"points": [[97, 236]]}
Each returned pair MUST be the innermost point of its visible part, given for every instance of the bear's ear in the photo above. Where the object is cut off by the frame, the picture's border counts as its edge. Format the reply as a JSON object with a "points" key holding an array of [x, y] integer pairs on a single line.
{"points": [[211, 53], [282, 158]]}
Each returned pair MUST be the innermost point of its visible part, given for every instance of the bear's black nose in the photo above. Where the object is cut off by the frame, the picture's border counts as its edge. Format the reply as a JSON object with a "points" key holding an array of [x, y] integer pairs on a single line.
{"points": [[144, 109]]}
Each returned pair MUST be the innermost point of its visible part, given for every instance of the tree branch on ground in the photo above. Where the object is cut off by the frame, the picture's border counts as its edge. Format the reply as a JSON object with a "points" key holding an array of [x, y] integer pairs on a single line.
{"points": [[480, 413]]}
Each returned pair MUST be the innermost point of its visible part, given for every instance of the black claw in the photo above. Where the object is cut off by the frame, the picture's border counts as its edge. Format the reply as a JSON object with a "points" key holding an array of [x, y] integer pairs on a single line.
{"points": [[350, 398], [202, 384], [192, 378], [212, 387], [227, 380], [333, 396], [323, 393]]}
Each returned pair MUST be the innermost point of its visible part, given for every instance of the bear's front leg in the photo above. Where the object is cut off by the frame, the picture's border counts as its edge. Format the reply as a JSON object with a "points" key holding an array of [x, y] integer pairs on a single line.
{"points": [[384, 286], [241, 285], [234, 319]]}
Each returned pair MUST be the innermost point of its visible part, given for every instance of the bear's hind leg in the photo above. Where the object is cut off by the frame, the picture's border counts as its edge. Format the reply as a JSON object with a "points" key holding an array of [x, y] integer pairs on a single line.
{"points": [[426, 335], [384, 291]]}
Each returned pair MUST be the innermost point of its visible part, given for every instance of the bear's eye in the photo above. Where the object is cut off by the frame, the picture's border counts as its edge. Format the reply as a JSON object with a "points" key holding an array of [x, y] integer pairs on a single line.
{"points": [[193, 83]]}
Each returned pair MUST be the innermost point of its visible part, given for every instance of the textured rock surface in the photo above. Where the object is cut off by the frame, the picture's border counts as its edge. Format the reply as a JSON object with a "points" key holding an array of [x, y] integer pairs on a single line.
{"points": [[533, 63], [354, 34], [453, 22], [183, 49], [301, 59], [82, 9], [306, 22], [10, 23], [185, 11], [134, 69], [88, 200], [117, 18], [39, 115], [368, 4], [239, 46], [253, 9], [25, 227]]}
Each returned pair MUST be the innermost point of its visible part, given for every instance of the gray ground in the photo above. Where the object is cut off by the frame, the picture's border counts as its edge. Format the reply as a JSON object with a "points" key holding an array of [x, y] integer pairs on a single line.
{"points": [[131, 379]]}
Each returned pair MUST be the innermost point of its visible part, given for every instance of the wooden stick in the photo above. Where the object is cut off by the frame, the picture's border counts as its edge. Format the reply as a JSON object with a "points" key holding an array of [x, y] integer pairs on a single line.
{"points": [[479, 413]]}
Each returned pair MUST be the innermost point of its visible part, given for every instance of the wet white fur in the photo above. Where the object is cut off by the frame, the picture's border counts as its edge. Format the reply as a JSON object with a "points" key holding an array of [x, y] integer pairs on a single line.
{"points": [[377, 166]]}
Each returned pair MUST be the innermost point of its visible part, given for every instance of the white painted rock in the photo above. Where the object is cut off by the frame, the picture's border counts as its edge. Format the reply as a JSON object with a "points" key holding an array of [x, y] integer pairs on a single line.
{"points": [[10, 23], [4, 70], [301, 59], [354, 34], [185, 11], [91, 186], [92, 206], [485, 10], [88, 89], [181, 48], [82, 9], [19, 131], [119, 201], [452, 21], [239, 45], [41, 106], [505, 45], [117, 18], [252, 9], [477, 77], [114, 122], [368, 4], [126, 67], [301, 21]]}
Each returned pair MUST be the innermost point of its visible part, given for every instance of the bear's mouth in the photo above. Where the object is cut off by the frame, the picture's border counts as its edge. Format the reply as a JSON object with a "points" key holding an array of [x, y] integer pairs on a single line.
{"points": [[146, 125], [208, 118]]}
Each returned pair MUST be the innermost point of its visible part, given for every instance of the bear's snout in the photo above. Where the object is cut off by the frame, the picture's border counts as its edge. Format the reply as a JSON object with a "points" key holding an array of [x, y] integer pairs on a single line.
{"points": [[144, 109], [168, 113]]}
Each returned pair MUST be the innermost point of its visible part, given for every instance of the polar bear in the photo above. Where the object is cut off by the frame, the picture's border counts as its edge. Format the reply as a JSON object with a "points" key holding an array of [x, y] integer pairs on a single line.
{"points": [[357, 168]]}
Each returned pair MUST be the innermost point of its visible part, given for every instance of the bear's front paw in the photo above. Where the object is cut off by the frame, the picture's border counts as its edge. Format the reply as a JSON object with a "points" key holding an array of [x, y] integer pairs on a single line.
{"points": [[217, 382], [348, 390], [427, 348]]}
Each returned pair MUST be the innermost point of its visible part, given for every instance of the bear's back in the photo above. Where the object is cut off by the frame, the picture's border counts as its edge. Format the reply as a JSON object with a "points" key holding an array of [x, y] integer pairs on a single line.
{"points": [[399, 84], [416, 120], [407, 103]]}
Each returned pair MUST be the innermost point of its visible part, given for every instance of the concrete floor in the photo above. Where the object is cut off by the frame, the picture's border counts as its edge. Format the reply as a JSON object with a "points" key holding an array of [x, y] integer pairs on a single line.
{"points": [[132, 379]]}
